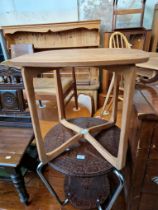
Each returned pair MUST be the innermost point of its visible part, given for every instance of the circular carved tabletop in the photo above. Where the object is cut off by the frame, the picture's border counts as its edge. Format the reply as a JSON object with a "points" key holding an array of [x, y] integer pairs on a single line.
{"points": [[82, 159]]}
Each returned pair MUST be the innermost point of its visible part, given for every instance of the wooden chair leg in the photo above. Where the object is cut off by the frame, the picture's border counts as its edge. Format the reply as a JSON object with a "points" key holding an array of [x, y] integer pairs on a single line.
{"points": [[59, 96], [75, 88], [108, 95], [115, 99]]}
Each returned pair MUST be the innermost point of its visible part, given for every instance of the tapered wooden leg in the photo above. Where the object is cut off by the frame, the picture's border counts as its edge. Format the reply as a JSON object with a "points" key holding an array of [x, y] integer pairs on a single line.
{"points": [[129, 86], [29, 88]]}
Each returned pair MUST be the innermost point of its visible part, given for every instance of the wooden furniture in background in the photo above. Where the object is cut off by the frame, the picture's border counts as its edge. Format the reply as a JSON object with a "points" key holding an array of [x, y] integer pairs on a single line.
{"points": [[117, 11], [4, 52], [81, 34], [124, 60], [13, 145], [148, 71], [142, 181], [139, 38], [154, 44], [58, 35], [13, 106], [16, 131], [21, 49], [45, 87], [117, 40]]}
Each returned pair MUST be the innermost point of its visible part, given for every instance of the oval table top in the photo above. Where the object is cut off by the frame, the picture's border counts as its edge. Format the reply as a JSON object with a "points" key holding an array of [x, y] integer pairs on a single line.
{"points": [[81, 57]]}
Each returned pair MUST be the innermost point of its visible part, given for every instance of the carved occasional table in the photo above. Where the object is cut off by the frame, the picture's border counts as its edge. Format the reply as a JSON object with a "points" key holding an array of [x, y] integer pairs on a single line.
{"points": [[120, 61]]}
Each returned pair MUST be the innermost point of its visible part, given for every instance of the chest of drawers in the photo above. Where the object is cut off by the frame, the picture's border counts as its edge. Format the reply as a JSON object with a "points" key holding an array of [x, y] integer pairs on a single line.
{"points": [[142, 170]]}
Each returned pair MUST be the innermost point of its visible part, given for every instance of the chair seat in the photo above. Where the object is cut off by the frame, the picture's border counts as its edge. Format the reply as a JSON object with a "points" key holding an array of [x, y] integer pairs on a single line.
{"points": [[82, 159]]}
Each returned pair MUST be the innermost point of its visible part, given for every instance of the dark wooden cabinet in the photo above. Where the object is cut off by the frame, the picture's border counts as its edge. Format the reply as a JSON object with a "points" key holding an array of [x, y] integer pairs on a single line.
{"points": [[142, 171], [139, 38]]}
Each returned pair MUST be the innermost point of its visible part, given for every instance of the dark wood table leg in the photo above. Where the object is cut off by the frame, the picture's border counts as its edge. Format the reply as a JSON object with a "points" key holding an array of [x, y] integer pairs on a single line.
{"points": [[18, 181]]}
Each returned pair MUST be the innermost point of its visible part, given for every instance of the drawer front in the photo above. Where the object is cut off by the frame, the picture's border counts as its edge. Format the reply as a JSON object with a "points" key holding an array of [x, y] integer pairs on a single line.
{"points": [[148, 202], [151, 178]]}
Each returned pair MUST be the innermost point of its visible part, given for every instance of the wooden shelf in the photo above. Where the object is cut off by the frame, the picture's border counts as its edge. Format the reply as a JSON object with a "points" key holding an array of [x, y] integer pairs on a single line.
{"points": [[80, 34]]}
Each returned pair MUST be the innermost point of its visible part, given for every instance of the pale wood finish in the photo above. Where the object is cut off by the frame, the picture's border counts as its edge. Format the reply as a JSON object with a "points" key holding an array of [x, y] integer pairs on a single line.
{"points": [[28, 82], [59, 95], [129, 85], [115, 98], [128, 11], [56, 152], [81, 57], [79, 34], [54, 27], [97, 128], [108, 95], [70, 36], [125, 58], [110, 158], [117, 40], [44, 87], [149, 69], [152, 63]]}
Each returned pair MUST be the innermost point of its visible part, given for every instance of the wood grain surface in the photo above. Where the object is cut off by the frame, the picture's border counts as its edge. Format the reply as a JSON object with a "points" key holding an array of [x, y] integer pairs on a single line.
{"points": [[82, 57], [152, 63], [13, 143]]}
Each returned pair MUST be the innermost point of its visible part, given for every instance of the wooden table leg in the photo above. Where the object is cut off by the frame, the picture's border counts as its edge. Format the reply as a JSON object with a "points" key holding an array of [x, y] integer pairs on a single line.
{"points": [[19, 184]]}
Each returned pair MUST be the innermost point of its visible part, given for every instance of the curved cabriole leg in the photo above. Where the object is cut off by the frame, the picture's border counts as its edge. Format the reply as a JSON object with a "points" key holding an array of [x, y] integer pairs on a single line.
{"points": [[48, 186]]}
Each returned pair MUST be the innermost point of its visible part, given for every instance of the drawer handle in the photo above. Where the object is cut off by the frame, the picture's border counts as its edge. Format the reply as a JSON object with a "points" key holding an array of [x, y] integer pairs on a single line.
{"points": [[155, 179]]}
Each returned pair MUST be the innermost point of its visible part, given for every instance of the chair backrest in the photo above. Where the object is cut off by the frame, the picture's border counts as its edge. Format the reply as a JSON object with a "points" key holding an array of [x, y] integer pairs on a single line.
{"points": [[118, 40], [21, 49]]}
